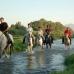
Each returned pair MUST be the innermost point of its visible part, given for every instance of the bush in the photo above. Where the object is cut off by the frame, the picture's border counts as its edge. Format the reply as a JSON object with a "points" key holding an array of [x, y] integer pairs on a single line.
{"points": [[69, 60]]}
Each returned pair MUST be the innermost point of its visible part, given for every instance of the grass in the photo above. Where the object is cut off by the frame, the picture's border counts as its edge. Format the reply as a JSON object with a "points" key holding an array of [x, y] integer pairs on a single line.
{"points": [[18, 44]]}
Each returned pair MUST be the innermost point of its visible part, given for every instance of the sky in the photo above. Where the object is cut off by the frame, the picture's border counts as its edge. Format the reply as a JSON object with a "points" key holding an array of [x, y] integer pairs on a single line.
{"points": [[32, 10]]}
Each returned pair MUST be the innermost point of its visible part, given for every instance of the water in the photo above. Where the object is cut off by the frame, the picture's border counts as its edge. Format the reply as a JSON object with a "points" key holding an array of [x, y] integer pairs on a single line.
{"points": [[41, 62]]}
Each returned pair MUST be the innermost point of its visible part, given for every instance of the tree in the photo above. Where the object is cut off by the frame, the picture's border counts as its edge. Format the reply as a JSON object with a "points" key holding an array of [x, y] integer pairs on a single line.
{"points": [[17, 29], [57, 27]]}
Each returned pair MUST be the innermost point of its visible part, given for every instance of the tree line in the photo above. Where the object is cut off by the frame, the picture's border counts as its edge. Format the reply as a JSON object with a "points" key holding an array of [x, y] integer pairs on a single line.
{"points": [[56, 27]]}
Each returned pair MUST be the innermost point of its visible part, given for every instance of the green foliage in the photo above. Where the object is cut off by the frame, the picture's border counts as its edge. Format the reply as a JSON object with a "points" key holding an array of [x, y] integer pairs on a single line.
{"points": [[17, 29], [69, 60], [18, 44], [57, 27]]}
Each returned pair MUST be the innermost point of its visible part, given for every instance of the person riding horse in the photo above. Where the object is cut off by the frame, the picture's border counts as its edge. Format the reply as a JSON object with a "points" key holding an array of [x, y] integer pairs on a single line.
{"points": [[40, 37], [48, 36], [4, 29], [29, 39], [40, 32], [30, 29], [67, 34]]}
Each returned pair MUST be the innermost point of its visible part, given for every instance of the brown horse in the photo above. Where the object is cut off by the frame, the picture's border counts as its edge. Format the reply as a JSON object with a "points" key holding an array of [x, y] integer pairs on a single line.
{"points": [[67, 42]]}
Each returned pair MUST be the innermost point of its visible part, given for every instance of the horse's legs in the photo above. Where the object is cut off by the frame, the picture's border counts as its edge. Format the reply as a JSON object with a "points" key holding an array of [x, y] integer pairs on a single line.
{"points": [[11, 49], [50, 45], [2, 52], [29, 48], [46, 45]]}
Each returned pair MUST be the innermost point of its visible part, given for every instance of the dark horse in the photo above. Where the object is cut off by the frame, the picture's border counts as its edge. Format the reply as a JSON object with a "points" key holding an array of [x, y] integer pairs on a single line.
{"points": [[48, 40]]}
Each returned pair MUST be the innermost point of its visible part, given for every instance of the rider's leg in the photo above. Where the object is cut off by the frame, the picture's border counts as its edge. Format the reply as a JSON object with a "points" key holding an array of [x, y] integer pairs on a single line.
{"points": [[63, 40], [70, 39]]}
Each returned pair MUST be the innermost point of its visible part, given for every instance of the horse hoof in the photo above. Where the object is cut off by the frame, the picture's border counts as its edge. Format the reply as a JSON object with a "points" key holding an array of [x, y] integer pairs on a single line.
{"points": [[32, 52], [7, 56]]}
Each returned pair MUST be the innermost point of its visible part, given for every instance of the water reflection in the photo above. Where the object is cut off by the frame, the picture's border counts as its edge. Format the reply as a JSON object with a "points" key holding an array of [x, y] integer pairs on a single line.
{"points": [[31, 62], [41, 58]]}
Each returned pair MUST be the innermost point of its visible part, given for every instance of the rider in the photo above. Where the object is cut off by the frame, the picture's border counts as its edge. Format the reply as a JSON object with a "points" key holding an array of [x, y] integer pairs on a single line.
{"points": [[68, 33], [30, 29], [48, 32], [4, 28], [40, 32]]}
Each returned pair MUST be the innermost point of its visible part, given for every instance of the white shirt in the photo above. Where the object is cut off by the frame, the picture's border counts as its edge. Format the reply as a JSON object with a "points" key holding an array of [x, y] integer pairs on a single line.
{"points": [[40, 32], [30, 29]]}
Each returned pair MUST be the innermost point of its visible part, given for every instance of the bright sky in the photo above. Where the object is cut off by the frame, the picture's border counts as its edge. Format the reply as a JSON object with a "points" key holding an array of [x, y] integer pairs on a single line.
{"points": [[31, 10]]}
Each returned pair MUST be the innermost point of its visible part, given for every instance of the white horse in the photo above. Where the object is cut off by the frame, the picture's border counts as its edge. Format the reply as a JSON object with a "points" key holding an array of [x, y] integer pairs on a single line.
{"points": [[10, 45], [39, 41], [29, 42], [3, 43], [67, 42]]}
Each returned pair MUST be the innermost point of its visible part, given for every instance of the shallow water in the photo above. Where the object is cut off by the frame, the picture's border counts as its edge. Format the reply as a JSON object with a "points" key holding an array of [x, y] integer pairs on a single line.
{"points": [[41, 62]]}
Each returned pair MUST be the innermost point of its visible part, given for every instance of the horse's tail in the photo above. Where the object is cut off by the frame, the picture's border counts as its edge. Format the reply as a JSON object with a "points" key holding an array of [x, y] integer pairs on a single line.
{"points": [[11, 38]]}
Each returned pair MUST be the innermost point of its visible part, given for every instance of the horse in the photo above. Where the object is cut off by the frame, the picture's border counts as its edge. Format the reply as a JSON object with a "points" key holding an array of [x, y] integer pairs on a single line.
{"points": [[3, 44], [29, 41], [67, 41], [39, 41], [11, 44], [48, 40]]}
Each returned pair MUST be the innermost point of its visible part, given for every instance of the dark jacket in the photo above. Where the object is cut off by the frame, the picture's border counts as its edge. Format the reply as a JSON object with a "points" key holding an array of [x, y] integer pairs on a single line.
{"points": [[3, 26]]}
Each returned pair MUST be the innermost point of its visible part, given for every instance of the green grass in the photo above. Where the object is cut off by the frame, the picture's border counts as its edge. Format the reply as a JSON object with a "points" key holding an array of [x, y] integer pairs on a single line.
{"points": [[18, 44], [69, 60]]}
